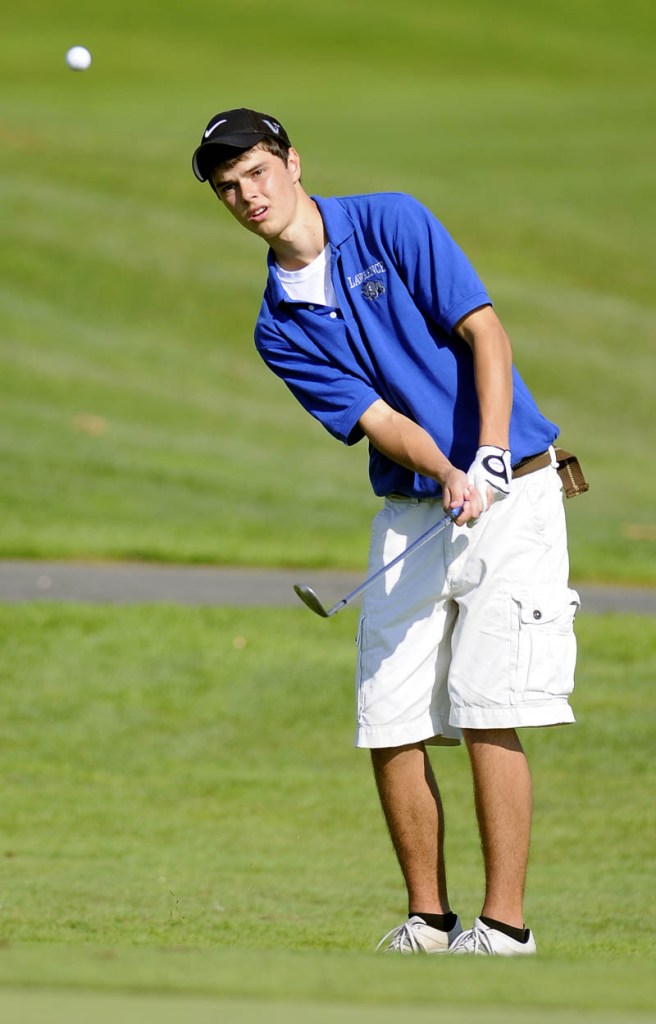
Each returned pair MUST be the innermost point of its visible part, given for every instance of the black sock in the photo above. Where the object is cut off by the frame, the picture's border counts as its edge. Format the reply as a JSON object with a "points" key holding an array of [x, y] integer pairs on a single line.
{"points": [[442, 922], [518, 934]]}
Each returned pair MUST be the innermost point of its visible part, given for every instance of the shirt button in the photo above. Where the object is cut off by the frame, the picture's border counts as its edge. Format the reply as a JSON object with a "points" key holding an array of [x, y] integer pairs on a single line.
{"points": [[333, 315], [537, 614], [311, 307]]}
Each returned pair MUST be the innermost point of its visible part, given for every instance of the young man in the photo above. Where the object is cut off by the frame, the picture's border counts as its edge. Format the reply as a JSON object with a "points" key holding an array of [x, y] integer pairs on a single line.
{"points": [[380, 327]]}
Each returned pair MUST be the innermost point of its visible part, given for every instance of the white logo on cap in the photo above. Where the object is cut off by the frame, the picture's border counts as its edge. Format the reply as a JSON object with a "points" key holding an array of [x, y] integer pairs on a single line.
{"points": [[275, 128], [216, 124]]}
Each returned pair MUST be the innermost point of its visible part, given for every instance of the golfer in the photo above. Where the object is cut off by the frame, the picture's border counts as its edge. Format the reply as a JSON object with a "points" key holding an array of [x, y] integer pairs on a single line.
{"points": [[380, 327]]}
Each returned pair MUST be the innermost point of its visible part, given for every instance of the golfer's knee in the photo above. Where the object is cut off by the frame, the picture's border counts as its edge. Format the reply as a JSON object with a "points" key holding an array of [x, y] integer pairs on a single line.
{"points": [[382, 757], [504, 738]]}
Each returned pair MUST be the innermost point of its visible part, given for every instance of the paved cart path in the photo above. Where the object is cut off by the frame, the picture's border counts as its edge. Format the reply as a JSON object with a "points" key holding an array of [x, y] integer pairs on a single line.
{"points": [[137, 583]]}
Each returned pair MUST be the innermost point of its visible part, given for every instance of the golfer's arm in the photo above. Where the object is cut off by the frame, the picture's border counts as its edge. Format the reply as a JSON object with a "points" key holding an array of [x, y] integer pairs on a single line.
{"points": [[404, 441], [490, 345]]}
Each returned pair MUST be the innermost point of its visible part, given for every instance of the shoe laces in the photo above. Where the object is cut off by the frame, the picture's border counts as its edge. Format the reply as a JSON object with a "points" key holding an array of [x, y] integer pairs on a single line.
{"points": [[402, 939], [474, 940]]}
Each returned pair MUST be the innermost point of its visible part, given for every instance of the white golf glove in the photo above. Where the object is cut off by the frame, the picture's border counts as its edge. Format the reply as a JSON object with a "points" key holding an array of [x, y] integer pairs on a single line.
{"points": [[491, 468]]}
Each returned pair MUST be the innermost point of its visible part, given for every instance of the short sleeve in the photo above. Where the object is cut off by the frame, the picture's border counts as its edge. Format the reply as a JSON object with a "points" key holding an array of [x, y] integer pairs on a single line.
{"points": [[335, 397], [437, 273]]}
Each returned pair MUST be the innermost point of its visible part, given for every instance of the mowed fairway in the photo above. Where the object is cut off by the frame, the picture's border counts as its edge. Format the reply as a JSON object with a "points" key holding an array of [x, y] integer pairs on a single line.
{"points": [[186, 832], [183, 813]]}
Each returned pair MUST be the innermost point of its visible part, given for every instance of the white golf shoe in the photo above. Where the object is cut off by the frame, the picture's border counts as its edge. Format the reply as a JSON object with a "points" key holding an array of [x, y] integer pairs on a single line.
{"points": [[415, 936], [482, 940]]}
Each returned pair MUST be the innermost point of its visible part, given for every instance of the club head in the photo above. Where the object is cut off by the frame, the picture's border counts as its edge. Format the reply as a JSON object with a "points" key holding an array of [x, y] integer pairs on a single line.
{"points": [[308, 597]]}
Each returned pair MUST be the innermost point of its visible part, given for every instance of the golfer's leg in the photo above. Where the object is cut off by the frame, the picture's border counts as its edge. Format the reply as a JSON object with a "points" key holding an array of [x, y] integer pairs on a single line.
{"points": [[504, 804], [413, 810]]}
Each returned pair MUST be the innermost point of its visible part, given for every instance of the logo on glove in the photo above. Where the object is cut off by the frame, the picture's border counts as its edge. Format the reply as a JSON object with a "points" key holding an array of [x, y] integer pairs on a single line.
{"points": [[496, 465]]}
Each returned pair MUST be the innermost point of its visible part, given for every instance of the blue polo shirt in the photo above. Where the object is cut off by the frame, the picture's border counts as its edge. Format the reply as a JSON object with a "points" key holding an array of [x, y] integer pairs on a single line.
{"points": [[402, 285]]}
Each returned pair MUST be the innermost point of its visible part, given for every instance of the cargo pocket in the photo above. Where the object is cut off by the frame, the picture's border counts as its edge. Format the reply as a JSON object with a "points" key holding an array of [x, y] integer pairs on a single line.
{"points": [[544, 645]]}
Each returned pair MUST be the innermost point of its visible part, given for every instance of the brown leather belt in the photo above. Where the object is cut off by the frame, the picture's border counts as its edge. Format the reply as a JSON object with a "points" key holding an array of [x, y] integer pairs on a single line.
{"points": [[568, 468]]}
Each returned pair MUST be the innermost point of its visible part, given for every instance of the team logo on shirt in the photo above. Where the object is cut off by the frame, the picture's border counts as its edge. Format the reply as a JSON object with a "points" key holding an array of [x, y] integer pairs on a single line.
{"points": [[366, 275], [372, 289]]}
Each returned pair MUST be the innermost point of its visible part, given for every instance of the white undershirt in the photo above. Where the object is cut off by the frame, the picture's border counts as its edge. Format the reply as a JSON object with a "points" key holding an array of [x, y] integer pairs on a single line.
{"points": [[311, 284]]}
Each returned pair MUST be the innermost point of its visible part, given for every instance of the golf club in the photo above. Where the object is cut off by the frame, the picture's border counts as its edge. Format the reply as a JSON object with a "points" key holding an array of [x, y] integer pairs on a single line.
{"points": [[308, 596]]}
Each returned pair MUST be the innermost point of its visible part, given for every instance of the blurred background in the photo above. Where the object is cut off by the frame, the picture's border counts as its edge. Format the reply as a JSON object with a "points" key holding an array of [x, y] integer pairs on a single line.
{"points": [[137, 418], [181, 780]]}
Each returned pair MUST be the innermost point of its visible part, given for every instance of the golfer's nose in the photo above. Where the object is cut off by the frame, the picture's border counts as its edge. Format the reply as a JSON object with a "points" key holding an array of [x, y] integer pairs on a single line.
{"points": [[248, 191]]}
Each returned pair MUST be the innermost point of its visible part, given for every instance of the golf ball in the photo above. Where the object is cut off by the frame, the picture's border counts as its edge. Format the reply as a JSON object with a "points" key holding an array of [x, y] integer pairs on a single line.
{"points": [[78, 58]]}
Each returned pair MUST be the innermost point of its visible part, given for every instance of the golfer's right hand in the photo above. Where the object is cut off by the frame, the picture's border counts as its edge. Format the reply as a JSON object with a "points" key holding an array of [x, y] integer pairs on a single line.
{"points": [[457, 491]]}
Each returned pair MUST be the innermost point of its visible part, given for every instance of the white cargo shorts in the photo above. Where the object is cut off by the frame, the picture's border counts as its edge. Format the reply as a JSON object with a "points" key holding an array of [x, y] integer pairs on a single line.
{"points": [[475, 629]]}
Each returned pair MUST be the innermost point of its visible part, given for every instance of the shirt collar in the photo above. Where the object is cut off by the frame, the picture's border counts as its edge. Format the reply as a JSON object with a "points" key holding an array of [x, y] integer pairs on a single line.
{"points": [[338, 224], [339, 227]]}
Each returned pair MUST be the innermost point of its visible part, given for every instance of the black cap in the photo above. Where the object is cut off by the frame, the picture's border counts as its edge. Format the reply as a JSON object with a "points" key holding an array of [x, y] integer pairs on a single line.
{"points": [[229, 133]]}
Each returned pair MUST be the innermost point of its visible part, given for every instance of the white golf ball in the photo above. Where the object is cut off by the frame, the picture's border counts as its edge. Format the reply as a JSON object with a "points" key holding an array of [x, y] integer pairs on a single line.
{"points": [[78, 58]]}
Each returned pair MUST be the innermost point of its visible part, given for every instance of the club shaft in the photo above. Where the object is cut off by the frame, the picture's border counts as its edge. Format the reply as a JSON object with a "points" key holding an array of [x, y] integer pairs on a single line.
{"points": [[450, 517]]}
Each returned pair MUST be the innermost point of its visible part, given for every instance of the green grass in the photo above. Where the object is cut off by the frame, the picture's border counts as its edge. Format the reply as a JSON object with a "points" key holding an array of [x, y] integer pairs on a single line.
{"points": [[183, 813], [54, 1007], [313, 989], [137, 418], [185, 829]]}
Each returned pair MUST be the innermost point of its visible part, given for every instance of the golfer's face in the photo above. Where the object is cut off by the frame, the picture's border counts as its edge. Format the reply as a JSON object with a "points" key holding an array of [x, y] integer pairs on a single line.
{"points": [[260, 191]]}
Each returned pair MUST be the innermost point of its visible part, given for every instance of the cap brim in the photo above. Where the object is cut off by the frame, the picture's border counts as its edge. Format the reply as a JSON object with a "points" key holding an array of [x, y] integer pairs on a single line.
{"points": [[211, 153]]}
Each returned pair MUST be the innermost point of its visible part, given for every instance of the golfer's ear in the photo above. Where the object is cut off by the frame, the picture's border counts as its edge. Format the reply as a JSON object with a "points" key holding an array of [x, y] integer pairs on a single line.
{"points": [[294, 164]]}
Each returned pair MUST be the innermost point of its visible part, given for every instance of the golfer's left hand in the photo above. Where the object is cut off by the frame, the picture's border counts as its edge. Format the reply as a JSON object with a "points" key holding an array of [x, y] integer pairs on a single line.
{"points": [[491, 474]]}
